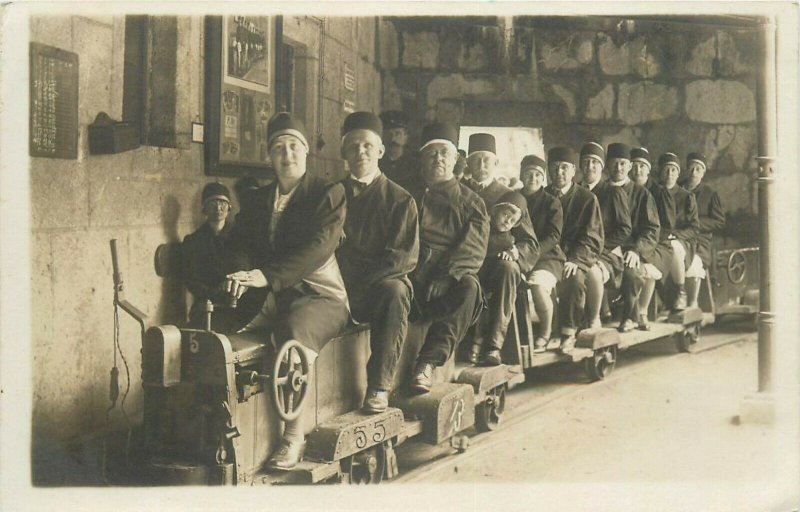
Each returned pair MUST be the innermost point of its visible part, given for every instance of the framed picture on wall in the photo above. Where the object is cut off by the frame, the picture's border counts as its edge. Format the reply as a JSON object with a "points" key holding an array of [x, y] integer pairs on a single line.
{"points": [[240, 92]]}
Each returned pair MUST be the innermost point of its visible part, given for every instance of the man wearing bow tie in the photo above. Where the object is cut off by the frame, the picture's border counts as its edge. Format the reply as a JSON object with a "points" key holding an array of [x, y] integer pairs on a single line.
{"points": [[380, 248]]}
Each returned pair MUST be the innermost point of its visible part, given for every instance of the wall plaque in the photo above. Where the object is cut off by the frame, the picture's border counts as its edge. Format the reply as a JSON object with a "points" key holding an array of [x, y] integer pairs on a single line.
{"points": [[53, 102]]}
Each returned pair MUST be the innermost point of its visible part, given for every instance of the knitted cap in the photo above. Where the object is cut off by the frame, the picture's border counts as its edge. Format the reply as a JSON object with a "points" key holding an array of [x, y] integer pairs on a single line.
{"points": [[283, 123], [595, 149], [216, 190]]}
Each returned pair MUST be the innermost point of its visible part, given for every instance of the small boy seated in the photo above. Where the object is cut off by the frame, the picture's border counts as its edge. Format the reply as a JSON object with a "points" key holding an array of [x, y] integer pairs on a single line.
{"points": [[504, 216]]}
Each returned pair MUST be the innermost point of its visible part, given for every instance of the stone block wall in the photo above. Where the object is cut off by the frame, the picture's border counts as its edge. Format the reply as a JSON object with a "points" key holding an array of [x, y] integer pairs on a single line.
{"points": [[686, 89], [143, 198]]}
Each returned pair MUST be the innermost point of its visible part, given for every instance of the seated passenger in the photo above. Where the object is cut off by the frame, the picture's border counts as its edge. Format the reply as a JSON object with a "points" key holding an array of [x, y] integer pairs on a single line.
{"points": [[682, 234], [616, 224], [206, 260], [500, 279], [581, 240], [283, 243], [711, 217], [380, 248], [659, 260], [502, 253], [640, 245], [398, 163], [453, 233], [547, 216]]}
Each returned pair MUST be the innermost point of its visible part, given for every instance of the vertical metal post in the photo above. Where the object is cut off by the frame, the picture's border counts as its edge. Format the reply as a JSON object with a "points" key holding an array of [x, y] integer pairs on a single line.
{"points": [[760, 407], [767, 161]]}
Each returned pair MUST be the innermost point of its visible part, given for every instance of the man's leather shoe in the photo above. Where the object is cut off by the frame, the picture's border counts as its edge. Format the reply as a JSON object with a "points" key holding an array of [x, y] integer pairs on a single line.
{"points": [[627, 325], [474, 354], [567, 344], [492, 358], [540, 344], [423, 378], [288, 454], [377, 400], [680, 301]]}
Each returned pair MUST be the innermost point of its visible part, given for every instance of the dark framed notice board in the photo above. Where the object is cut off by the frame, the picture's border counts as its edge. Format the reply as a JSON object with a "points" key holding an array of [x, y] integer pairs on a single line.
{"points": [[53, 102], [240, 69]]}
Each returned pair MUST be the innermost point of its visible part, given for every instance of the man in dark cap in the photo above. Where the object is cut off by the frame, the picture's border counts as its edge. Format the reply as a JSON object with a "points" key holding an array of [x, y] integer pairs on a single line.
{"points": [[206, 259], [499, 277], [682, 234], [283, 243], [712, 218], [616, 223], [243, 187], [581, 239], [638, 248], [548, 219], [397, 163], [380, 248], [454, 231], [658, 261]]}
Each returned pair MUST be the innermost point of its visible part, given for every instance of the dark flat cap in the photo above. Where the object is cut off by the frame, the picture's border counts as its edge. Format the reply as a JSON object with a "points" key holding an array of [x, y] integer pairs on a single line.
{"points": [[284, 123], [482, 142], [394, 119], [562, 154], [618, 150], [362, 121], [439, 132]]}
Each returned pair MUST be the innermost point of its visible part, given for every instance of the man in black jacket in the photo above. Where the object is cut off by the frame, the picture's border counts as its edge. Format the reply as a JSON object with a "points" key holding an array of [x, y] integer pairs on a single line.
{"points": [[682, 235], [398, 163], [380, 248], [638, 249], [616, 224], [581, 239], [283, 243], [548, 220], [711, 217], [453, 234], [499, 277]]}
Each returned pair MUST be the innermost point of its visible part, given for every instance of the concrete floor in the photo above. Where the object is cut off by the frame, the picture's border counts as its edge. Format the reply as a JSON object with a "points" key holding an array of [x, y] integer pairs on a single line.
{"points": [[662, 426]]}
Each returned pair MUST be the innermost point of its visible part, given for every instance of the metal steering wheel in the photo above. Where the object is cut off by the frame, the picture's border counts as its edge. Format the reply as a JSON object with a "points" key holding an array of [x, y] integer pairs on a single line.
{"points": [[290, 372], [737, 267]]}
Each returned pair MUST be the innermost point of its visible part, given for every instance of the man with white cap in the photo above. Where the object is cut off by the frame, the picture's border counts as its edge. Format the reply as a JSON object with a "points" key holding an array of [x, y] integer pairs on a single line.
{"points": [[380, 248], [682, 234], [206, 259], [499, 277], [283, 243], [581, 239], [453, 234], [616, 224], [639, 247], [548, 219], [712, 218]]}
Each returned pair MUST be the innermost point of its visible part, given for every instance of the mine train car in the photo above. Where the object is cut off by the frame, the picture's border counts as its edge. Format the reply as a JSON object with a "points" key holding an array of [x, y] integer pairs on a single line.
{"points": [[213, 402]]}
